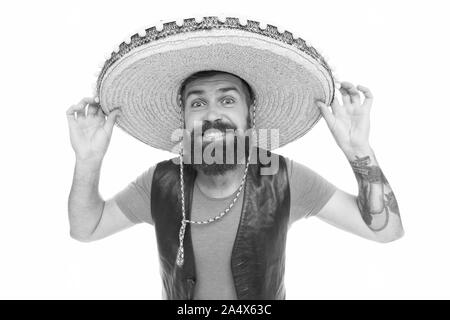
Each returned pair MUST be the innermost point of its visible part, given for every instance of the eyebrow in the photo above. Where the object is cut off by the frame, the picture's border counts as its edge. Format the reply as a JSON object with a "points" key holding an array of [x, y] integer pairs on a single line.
{"points": [[220, 90]]}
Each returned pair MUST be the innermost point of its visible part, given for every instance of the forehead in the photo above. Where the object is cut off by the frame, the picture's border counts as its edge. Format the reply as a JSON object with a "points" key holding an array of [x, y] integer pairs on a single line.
{"points": [[213, 82]]}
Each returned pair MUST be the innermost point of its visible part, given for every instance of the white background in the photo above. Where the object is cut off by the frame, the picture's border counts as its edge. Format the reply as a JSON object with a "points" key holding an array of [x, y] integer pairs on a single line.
{"points": [[50, 54]]}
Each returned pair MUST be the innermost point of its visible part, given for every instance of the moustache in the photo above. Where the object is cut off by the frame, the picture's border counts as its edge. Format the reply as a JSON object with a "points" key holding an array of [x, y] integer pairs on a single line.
{"points": [[216, 125]]}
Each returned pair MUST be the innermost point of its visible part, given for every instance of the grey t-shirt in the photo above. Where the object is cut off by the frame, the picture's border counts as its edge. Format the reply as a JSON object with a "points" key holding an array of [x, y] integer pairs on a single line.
{"points": [[213, 243]]}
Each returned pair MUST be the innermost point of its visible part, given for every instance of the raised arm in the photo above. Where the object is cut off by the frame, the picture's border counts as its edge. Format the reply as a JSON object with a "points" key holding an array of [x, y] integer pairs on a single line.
{"points": [[374, 212], [91, 217]]}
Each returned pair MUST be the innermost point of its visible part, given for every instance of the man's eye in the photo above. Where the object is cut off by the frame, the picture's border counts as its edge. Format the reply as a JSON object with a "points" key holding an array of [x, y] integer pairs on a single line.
{"points": [[196, 104], [228, 100]]}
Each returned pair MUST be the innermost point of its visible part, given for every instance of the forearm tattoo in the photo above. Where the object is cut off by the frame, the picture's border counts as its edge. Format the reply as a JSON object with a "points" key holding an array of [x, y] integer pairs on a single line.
{"points": [[375, 200]]}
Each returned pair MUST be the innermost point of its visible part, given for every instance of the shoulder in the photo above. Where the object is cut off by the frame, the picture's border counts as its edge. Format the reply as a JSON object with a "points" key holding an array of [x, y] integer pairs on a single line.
{"points": [[166, 173], [301, 173], [297, 166], [164, 169], [168, 163]]}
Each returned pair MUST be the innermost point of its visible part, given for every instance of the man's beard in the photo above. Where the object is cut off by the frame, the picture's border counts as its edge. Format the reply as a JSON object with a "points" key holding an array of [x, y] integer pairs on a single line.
{"points": [[218, 164]]}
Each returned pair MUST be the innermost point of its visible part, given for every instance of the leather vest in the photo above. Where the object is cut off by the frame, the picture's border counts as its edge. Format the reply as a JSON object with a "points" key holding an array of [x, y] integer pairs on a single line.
{"points": [[258, 256]]}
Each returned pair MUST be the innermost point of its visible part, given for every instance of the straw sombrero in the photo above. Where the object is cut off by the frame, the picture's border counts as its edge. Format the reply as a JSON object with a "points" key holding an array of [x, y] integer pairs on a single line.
{"points": [[143, 76]]}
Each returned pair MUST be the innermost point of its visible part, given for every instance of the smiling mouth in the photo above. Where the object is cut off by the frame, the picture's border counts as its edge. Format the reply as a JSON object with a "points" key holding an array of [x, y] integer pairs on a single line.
{"points": [[212, 135]]}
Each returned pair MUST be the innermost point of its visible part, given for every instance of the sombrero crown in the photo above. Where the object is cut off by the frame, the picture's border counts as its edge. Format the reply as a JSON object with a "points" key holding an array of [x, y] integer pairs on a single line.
{"points": [[144, 75]]}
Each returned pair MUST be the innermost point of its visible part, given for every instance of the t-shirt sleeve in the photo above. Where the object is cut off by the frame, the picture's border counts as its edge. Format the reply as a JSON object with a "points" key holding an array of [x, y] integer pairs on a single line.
{"points": [[309, 191], [134, 199]]}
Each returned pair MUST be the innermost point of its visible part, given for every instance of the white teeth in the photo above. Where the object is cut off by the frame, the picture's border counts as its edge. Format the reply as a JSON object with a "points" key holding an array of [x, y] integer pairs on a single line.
{"points": [[213, 135], [262, 25]]}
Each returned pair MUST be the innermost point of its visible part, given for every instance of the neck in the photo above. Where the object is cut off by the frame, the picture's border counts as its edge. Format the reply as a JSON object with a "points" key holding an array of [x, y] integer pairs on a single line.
{"points": [[223, 185]]}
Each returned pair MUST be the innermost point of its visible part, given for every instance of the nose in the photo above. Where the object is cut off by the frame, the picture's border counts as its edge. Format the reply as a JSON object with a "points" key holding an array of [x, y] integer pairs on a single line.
{"points": [[213, 114]]}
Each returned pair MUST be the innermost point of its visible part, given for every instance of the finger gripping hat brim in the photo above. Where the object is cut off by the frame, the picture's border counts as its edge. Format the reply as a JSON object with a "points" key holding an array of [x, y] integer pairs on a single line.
{"points": [[143, 77]]}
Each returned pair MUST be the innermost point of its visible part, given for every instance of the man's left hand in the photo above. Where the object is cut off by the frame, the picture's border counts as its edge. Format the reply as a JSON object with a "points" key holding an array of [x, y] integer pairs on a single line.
{"points": [[350, 122]]}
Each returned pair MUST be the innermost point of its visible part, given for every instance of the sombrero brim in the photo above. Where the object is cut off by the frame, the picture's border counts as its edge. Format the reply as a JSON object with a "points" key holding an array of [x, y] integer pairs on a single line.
{"points": [[144, 76]]}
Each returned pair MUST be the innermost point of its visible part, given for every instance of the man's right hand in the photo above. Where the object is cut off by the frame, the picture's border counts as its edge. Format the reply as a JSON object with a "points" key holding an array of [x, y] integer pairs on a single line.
{"points": [[90, 130]]}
